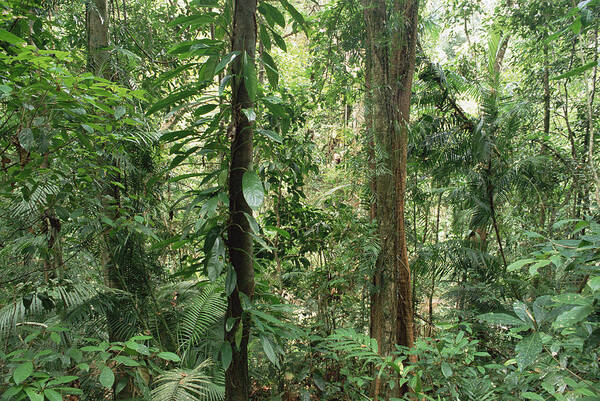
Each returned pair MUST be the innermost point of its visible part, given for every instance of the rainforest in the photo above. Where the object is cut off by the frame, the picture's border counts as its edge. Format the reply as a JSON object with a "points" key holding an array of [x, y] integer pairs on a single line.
{"points": [[299, 200]]}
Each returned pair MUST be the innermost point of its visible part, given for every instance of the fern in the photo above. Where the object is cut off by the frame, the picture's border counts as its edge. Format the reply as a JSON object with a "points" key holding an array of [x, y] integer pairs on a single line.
{"points": [[203, 311], [355, 345], [189, 385]]}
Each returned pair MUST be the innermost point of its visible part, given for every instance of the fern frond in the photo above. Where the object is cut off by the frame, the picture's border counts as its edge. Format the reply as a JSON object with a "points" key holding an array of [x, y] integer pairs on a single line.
{"points": [[189, 385], [203, 311]]}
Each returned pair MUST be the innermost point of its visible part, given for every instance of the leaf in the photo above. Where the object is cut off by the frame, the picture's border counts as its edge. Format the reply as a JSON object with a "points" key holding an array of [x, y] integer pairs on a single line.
{"points": [[226, 355], [126, 360], [573, 316], [230, 281], [270, 69], [252, 189], [295, 15], [522, 311], [265, 39], [269, 351], [319, 382], [107, 377], [594, 284], [62, 380], [250, 114], [26, 138], [576, 71], [501, 319], [119, 112], [272, 14], [446, 370], [22, 372], [279, 41], [33, 395], [223, 84], [225, 61], [249, 74], [528, 350], [533, 269], [519, 264], [10, 38], [169, 356], [274, 136], [52, 395], [572, 299], [171, 99], [532, 396]]}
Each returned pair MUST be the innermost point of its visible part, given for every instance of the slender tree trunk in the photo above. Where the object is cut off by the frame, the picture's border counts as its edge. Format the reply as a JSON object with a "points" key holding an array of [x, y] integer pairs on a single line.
{"points": [[239, 241], [97, 37], [546, 92], [97, 25]]}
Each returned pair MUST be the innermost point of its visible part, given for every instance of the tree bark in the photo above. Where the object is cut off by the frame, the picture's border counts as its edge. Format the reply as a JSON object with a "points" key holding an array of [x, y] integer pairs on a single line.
{"points": [[239, 242], [391, 41], [97, 37]]}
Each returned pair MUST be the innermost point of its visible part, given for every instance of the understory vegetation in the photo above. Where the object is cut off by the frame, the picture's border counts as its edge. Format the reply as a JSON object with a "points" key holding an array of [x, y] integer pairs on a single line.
{"points": [[297, 200]]}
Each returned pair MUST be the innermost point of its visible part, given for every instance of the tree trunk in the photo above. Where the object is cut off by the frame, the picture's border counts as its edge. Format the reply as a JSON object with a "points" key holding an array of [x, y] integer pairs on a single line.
{"points": [[97, 37], [391, 40], [97, 25], [239, 242]]}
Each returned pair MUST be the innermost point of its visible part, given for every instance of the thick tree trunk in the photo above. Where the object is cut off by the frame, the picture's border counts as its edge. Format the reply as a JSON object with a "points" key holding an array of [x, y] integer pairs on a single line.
{"points": [[391, 41], [239, 242]]}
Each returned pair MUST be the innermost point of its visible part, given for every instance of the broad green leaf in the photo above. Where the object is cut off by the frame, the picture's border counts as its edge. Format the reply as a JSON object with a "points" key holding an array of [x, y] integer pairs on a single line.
{"points": [[572, 299], [528, 350], [226, 355], [126, 360], [522, 311], [533, 269], [22, 372], [253, 223], [272, 14], [265, 39], [279, 41], [269, 351], [33, 394], [270, 69], [193, 20], [274, 136], [223, 84], [532, 396], [107, 377], [169, 356], [295, 15], [52, 395], [119, 112], [62, 380], [250, 114], [225, 61], [594, 284], [252, 189], [573, 316], [6, 36], [230, 281], [250, 78], [501, 319], [446, 370], [519, 264]]}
